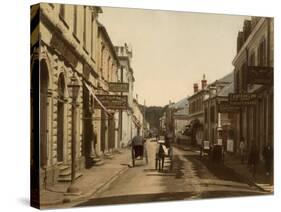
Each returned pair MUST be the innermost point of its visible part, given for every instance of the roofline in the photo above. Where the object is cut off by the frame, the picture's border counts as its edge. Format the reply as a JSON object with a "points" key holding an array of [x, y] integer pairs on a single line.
{"points": [[223, 82], [197, 93], [104, 31], [246, 43]]}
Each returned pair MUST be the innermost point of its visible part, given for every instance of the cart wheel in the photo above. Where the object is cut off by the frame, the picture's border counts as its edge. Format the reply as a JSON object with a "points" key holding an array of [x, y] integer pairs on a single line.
{"points": [[171, 163], [163, 162], [146, 157], [156, 162], [133, 158]]}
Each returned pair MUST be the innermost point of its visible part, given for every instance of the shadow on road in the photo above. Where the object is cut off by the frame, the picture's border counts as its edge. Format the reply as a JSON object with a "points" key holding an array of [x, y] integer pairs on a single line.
{"points": [[220, 171], [168, 196]]}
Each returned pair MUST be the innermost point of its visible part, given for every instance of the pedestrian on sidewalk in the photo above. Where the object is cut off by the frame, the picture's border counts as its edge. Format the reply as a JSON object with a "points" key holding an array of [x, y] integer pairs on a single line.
{"points": [[253, 158], [242, 150], [268, 158]]}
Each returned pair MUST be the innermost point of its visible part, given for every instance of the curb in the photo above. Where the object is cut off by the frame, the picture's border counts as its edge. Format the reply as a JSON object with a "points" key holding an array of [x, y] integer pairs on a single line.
{"points": [[98, 190], [248, 180], [245, 178]]}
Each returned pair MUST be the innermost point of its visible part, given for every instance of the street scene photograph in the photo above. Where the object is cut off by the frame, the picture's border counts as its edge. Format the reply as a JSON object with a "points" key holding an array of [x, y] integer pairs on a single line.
{"points": [[137, 105]]}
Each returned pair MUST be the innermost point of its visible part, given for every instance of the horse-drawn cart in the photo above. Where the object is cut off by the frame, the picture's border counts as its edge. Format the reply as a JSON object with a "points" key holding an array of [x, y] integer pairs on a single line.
{"points": [[163, 150], [139, 151]]}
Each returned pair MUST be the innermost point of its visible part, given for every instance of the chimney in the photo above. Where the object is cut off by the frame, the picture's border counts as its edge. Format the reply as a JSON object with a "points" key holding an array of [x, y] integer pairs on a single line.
{"points": [[246, 29], [195, 87], [240, 40], [204, 82]]}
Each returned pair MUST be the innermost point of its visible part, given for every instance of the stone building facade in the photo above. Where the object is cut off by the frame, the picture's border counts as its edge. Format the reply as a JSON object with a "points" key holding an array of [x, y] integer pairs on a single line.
{"points": [[71, 43], [255, 48], [106, 121], [196, 112], [219, 125], [126, 75]]}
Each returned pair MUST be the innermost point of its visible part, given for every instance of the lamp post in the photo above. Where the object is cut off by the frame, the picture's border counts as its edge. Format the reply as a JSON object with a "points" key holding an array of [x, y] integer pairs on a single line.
{"points": [[73, 88]]}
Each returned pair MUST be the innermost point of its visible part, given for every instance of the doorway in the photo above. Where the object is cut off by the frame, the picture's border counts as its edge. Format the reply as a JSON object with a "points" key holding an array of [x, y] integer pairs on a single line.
{"points": [[60, 119], [44, 80]]}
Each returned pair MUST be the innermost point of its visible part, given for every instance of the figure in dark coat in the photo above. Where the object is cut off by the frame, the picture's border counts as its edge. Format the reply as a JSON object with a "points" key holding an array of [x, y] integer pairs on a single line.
{"points": [[254, 158], [268, 158]]}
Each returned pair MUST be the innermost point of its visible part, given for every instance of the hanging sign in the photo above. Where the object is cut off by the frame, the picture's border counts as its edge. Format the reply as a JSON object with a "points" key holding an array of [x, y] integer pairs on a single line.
{"points": [[225, 107], [260, 75], [118, 87], [242, 99], [113, 101]]}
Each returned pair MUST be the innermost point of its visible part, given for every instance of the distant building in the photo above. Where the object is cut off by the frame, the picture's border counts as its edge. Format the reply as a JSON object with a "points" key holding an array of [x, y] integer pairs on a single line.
{"points": [[196, 111], [180, 115], [217, 121], [126, 75]]}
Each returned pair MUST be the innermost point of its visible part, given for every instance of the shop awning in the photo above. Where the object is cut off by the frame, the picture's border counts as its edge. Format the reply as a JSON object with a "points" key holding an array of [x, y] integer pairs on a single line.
{"points": [[137, 123], [93, 94], [95, 97]]}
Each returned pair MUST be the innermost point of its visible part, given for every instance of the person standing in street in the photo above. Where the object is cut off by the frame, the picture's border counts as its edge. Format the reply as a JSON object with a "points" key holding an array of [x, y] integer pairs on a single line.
{"points": [[268, 158], [253, 158], [242, 150]]}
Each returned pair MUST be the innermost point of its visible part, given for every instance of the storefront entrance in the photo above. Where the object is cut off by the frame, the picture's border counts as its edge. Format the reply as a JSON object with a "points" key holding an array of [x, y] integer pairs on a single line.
{"points": [[60, 119], [44, 80]]}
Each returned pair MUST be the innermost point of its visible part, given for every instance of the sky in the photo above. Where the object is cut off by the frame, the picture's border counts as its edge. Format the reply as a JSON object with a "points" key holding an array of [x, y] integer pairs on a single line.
{"points": [[172, 50]]}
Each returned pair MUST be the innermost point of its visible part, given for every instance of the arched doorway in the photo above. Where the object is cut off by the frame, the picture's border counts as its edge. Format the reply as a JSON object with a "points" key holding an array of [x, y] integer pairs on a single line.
{"points": [[44, 81], [60, 118], [34, 106]]}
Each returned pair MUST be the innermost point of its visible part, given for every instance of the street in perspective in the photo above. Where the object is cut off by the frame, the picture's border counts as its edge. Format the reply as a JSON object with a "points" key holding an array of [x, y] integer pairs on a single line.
{"points": [[144, 106]]}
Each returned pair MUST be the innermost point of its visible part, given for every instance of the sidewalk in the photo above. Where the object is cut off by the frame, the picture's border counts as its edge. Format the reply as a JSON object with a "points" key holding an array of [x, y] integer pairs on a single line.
{"points": [[261, 180], [93, 181]]}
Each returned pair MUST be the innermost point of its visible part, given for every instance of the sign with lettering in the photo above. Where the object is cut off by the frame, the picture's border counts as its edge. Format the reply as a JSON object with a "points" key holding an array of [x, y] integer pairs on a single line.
{"points": [[118, 87], [260, 75], [230, 145], [225, 107], [113, 101], [242, 99]]}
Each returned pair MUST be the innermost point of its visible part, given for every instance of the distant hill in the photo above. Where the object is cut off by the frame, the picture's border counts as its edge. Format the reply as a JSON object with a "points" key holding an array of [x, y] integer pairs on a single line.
{"points": [[153, 114]]}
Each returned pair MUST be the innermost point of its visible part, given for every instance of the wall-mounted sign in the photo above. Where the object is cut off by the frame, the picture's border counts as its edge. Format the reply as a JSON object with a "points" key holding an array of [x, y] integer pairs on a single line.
{"points": [[113, 101], [230, 145], [260, 75], [242, 99], [225, 107], [118, 87]]}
